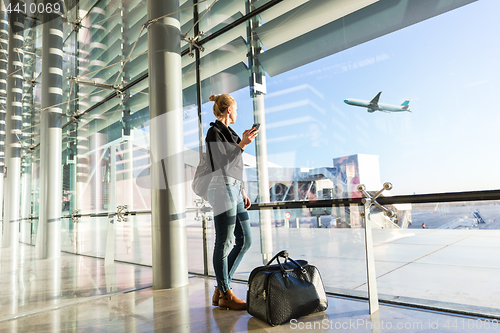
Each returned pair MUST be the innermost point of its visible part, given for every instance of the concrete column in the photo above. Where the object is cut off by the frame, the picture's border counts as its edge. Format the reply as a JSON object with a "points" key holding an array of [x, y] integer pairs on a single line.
{"points": [[48, 243], [13, 130], [257, 91], [4, 35], [168, 207]]}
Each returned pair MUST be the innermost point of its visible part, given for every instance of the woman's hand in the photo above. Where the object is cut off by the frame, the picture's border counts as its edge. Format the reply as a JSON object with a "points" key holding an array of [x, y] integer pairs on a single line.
{"points": [[248, 137], [246, 199]]}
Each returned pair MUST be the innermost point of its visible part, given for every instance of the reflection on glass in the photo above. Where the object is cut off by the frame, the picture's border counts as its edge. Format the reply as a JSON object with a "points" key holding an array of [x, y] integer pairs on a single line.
{"points": [[215, 15], [133, 240], [447, 250], [35, 193], [69, 168]]}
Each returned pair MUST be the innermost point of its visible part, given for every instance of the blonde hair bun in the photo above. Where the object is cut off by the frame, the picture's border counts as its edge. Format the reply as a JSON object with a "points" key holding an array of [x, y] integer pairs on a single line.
{"points": [[221, 103]]}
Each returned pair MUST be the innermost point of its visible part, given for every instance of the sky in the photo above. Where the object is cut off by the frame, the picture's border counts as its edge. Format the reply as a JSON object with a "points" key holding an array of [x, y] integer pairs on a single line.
{"points": [[448, 65]]}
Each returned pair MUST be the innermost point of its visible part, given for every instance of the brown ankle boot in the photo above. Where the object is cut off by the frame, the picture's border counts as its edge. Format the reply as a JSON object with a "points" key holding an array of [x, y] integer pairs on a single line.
{"points": [[229, 301], [215, 297]]}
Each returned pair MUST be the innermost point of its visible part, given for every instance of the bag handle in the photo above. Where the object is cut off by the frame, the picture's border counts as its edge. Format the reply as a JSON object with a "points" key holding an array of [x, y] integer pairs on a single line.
{"points": [[299, 266], [284, 254]]}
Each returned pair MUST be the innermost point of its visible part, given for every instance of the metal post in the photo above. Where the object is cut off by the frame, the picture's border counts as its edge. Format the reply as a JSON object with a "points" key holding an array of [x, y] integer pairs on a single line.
{"points": [[49, 225], [13, 129], [3, 95], [35, 187], [127, 131], [25, 199], [168, 207], [370, 260], [297, 223], [318, 221], [27, 132], [73, 128], [257, 91], [200, 134]]}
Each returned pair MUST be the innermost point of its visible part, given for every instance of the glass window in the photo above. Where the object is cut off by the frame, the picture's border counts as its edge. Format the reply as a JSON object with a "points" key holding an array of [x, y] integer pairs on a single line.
{"points": [[324, 111], [448, 249]]}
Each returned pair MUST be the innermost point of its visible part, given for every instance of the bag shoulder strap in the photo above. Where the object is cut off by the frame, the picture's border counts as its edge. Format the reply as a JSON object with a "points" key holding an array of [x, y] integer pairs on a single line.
{"points": [[210, 155]]}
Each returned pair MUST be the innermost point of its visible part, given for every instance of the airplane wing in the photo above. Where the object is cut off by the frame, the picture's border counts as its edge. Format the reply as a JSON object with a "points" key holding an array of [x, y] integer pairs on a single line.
{"points": [[374, 101]]}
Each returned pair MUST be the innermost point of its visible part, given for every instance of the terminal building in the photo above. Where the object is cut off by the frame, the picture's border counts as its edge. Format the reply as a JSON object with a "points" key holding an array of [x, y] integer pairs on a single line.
{"points": [[104, 109]]}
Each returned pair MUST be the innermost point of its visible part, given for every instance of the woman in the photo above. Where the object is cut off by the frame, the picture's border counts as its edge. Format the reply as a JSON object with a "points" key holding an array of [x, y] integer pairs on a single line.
{"points": [[228, 198]]}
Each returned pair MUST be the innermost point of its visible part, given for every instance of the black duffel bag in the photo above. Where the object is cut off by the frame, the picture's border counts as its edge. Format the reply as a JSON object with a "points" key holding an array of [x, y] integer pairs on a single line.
{"points": [[284, 291]]}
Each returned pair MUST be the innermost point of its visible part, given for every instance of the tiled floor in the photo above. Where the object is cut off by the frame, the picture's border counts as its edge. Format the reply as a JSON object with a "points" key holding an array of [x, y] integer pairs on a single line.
{"points": [[80, 294], [189, 309], [29, 286]]}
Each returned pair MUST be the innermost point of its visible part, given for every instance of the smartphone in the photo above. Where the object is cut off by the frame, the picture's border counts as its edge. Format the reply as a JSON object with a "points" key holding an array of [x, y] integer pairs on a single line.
{"points": [[255, 126]]}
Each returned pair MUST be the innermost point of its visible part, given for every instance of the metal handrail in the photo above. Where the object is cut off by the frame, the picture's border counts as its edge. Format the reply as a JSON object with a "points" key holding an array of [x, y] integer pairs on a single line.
{"points": [[398, 199]]}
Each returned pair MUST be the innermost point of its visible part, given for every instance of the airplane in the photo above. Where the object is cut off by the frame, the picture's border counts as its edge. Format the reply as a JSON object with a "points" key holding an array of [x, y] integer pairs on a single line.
{"points": [[374, 105]]}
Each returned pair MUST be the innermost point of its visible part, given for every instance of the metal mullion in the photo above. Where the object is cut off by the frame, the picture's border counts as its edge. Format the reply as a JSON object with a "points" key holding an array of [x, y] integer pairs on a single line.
{"points": [[200, 133]]}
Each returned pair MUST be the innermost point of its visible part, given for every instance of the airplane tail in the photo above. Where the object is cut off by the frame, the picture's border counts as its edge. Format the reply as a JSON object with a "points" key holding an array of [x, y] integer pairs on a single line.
{"points": [[406, 104]]}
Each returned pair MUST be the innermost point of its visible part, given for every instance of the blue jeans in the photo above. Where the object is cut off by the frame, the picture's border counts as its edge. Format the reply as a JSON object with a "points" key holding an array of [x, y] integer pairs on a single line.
{"points": [[230, 218]]}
